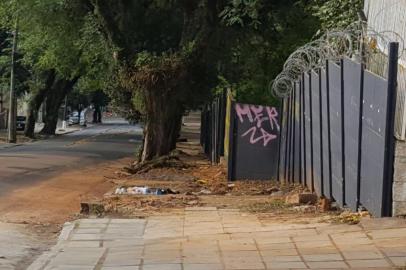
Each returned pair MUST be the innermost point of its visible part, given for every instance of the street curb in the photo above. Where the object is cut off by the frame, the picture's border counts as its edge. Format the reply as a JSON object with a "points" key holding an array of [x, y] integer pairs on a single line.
{"points": [[8, 146], [42, 261]]}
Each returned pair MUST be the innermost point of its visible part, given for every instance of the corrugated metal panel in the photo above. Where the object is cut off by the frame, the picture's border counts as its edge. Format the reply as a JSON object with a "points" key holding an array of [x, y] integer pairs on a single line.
{"points": [[384, 16]]}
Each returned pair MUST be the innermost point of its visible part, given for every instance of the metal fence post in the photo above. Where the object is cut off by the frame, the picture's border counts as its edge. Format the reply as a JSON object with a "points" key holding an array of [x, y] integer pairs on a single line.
{"points": [[390, 129], [342, 130], [321, 136], [282, 128], [304, 131], [329, 130], [311, 132], [231, 147], [299, 90], [361, 109]]}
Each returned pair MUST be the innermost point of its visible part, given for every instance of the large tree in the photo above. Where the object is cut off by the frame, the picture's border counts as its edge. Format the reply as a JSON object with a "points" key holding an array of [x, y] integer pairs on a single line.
{"points": [[165, 49], [61, 45]]}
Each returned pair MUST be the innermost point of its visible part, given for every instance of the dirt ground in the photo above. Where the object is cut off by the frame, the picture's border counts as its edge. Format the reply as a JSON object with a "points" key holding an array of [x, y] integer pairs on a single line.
{"points": [[195, 182], [57, 200]]}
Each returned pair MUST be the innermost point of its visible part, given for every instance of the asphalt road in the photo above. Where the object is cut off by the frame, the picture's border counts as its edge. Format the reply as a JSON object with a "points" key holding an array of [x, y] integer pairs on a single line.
{"points": [[24, 165]]}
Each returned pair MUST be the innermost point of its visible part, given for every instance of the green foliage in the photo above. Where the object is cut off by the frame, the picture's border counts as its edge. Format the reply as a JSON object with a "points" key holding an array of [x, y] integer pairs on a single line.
{"points": [[241, 13], [337, 13], [259, 49], [58, 35]]}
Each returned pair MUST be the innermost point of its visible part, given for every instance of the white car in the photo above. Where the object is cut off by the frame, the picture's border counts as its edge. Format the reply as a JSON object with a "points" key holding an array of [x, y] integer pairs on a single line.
{"points": [[75, 120]]}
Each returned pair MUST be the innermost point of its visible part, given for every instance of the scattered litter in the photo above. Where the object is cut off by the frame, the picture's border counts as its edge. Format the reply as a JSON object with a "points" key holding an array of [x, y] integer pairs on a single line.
{"points": [[143, 191], [201, 182], [306, 208]]}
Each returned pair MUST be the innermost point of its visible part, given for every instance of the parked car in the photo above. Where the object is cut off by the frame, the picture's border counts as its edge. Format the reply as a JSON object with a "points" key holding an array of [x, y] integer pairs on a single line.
{"points": [[74, 118], [21, 122]]}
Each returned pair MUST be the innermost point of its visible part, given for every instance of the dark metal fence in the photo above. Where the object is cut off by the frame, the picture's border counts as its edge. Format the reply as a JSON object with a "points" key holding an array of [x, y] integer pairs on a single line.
{"points": [[337, 134], [254, 142], [213, 128]]}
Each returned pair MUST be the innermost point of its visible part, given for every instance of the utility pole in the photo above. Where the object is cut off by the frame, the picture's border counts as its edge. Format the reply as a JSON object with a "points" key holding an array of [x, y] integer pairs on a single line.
{"points": [[12, 117]]}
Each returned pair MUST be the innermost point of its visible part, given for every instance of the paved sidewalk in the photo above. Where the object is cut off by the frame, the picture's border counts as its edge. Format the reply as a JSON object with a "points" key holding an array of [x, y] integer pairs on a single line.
{"points": [[211, 239]]}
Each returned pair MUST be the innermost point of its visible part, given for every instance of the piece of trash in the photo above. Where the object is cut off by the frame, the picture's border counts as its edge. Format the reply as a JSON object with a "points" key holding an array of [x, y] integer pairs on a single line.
{"points": [[201, 182], [306, 208], [143, 191], [231, 185]]}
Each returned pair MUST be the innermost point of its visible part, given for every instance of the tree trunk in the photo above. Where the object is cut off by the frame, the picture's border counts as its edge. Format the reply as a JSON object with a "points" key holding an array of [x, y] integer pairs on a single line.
{"points": [[53, 102], [162, 126], [35, 103]]}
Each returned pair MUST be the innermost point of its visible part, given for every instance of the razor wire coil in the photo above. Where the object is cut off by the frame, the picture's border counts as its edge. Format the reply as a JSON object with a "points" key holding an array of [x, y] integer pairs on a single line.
{"points": [[356, 41]]}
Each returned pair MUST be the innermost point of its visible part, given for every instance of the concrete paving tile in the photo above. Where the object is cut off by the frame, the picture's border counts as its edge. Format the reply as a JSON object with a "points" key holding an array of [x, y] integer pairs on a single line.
{"points": [[202, 259], [174, 246], [162, 267], [88, 230], [311, 238], [133, 267], [121, 235], [276, 246], [362, 255], [240, 229], [282, 258], [314, 244], [162, 257], [122, 259], [244, 265], [399, 261], [328, 265], [237, 244], [83, 244], [368, 263], [285, 265], [358, 248], [128, 221], [128, 231], [209, 237], [65, 267], [123, 243], [323, 257], [83, 258], [94, 221], [204, 266], [395, 252], [391, 242], [264, 239], [86, 237], [338, 229], [92, 226], [388, 233], [279, 252], [321, 250]]}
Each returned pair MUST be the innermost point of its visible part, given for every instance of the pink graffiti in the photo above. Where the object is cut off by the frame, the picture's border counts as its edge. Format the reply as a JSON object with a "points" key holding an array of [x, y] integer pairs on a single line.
{"points": [[266, 137], [257, 115]]}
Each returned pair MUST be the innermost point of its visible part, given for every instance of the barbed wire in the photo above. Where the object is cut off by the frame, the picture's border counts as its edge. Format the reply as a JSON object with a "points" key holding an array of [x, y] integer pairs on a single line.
{"points": [[357, 41]]}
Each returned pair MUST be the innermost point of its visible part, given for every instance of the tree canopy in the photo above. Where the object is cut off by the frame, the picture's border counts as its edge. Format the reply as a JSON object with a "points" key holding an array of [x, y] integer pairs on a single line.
{"points": [[158, 57]]}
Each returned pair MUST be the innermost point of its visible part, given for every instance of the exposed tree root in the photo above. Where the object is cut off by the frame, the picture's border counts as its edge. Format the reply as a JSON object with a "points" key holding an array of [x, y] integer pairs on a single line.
{"points": [[170, 161]]}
